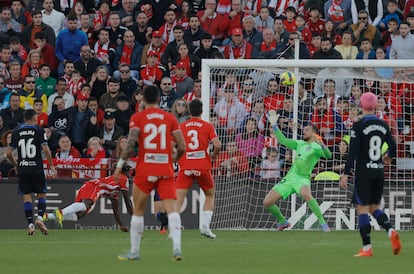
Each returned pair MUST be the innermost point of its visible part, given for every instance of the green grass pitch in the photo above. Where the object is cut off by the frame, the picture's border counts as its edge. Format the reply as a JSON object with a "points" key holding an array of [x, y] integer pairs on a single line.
{"points": [[75, 251]]}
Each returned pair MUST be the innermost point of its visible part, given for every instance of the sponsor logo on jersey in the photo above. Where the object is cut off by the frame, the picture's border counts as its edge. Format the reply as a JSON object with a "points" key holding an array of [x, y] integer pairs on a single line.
{"points": [[194, 155], [156, 158]]}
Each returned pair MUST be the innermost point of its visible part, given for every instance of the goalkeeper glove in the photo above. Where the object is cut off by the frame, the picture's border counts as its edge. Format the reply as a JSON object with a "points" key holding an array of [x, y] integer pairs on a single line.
{"points": [[273, 117]]}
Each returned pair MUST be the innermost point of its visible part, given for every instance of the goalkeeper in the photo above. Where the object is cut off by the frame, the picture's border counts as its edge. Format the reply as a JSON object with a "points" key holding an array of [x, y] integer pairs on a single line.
{"points": [[297, 179]]}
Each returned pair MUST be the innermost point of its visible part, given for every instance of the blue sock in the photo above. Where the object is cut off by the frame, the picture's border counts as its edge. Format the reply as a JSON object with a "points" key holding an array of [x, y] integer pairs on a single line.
{"points": [[163, 218], [28, 212], [364, 229], [41, 206], [382, 219]]}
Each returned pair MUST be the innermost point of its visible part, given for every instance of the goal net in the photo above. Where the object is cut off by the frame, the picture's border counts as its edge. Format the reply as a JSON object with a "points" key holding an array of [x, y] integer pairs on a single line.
{"points": [[237, 95]]}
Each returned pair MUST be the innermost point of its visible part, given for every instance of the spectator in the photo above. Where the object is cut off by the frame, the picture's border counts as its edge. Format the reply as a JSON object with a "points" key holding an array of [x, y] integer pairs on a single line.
{"points": [[403, 46], [352, 115], [95, 149], [231, 162], [386, 73], [87, 64], [152, 72], [32, 65], [17, 50], [210, 21], [157, 9], [123, 113], [76, 11], [15, 82], [98, 82], [252, 35], [342, 107], [156, 45], [346, 49], [167, 29], [52, 138], [116, 31], [69, 68], [141, 29], [86, 27], [182, 83], [12, 115], [330, 31], [69, 42], [258, 113], [58, 118], [126, 13], [19, 14], [315, 44], [230, 111], [286, 50], [315, 23], [232, 20], [62, 91], [366, 51], [5, 59], [128, 84], [93, 105], [373, 9], [339, 12], [52, 17], [180, 110], [387, 36], [167, 94], [384, 113], [29, 32], [75, 84], [206, 50], [269, 42], [250, 142], [101, 16], [331, 93], [281, 35], [356, 93], [171, 54], [108, 100], [42, 117], [327, 51], [184, 14], [5, 164], [238, 47], [47, 51], [274, 98], [362, 29], [245, 94], [263, 20], [103, 50], [194, 32], [121, 145], [285, 121], [270, 167], [342, 77], [289, 22], [8, 26], [66, 152], [305, 33], [109, 132], [191, 62], [339, 158], [392, 12], [137, 100], [195, 93], [4, 97], [82, 123], [129, 52], [29, 93]]}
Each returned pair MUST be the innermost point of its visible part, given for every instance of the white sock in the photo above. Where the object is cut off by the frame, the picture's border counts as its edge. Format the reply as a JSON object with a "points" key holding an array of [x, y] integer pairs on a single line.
{"points": [[73, 208], [137, 227], [70, 217], [366, 247], [390, 232], [174, 225], [206, 219]]}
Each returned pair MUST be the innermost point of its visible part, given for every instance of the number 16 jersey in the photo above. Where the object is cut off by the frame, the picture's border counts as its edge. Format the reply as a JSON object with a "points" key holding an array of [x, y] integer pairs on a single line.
{"points": [[156, 127]]}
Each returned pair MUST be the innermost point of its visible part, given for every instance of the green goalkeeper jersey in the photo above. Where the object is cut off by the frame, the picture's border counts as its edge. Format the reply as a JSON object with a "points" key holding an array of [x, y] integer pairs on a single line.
{"points": [[308, 154]]}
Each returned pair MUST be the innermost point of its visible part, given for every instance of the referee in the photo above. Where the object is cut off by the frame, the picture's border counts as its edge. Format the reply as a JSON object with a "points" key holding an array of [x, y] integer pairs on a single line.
{"points": [[367, 137]]}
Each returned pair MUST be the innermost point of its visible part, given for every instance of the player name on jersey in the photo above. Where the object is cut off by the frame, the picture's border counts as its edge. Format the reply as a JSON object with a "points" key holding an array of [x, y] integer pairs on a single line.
{"points": [[30, 132]]}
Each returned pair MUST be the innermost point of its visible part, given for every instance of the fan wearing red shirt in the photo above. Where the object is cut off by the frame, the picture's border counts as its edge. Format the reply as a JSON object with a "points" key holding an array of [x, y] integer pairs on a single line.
{"points": [[151, 73], [289, 22], [315, 24], [196, 163], [42, 118], [154, 130], [238, 48]]}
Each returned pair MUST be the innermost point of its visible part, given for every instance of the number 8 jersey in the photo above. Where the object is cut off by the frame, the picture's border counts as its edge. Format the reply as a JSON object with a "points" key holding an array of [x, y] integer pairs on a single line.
{"points": [[154, 141], [28, 140]]}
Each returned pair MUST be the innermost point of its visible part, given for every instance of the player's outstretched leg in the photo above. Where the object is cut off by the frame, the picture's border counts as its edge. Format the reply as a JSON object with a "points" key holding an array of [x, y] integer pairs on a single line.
{"points": [[383, 221], [269, 203], [364, 230], [314, 206]]}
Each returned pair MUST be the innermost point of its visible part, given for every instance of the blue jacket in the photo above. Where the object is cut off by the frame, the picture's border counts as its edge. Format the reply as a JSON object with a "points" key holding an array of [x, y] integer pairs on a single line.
{"points": [[4, 98], [371, 55], [68, 44], [135, 56]]}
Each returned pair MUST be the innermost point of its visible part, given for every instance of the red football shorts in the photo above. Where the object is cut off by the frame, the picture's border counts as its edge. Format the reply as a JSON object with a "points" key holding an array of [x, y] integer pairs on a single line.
{"points": [[203, 178], [165, 186], [88, 191]]}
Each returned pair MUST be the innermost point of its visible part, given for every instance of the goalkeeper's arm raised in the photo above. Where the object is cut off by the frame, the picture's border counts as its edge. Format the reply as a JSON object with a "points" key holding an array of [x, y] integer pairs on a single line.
{"points": [[289, 143]]}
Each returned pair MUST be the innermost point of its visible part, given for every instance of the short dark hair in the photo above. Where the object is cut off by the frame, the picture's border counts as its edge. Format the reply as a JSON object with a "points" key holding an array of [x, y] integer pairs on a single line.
{"points": [[68, 62], [196, 107], [37, 100], [14, 40], [93, 98], [36, 12], [178, 27], [151, 94], [28, 114], [44, 66], [72, 18], [314, 128], [61, 79], [40, 35], [326, 38]]}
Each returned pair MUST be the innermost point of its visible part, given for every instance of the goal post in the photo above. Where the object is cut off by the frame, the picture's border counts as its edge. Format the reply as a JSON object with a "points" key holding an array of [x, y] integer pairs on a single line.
{"points": [[243, 183]]}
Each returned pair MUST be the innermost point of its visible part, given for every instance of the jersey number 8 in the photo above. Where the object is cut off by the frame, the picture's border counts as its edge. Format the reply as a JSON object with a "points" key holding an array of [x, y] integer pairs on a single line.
{"points": [[374, 151]]}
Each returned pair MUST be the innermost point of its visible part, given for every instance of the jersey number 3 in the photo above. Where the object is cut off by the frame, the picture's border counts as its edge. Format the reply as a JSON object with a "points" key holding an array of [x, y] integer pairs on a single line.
{"points": [[154, 130], [194, 143], [27, 148]]}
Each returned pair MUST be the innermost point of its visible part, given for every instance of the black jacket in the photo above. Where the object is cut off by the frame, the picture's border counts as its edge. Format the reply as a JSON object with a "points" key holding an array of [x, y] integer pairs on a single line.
{"points": [[110, 145], [12, 118], [86, 128]]}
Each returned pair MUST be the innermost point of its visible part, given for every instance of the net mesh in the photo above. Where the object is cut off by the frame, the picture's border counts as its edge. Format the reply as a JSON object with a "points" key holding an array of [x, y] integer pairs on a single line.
{"points": [[252, 161]]}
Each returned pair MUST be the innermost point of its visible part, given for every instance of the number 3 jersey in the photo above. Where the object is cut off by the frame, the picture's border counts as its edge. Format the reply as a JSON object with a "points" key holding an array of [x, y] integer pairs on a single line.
{"points": [[28, 140], [367, 137], [154, 141], [197, 135]]}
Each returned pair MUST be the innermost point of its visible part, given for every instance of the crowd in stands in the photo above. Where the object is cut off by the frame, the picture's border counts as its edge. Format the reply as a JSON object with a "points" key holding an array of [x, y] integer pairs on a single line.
{"points": [[82, 66]]}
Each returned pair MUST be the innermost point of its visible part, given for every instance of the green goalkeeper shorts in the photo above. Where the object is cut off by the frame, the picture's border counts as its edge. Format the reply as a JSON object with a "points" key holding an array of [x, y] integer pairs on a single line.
{"points": [[288, 186]]}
